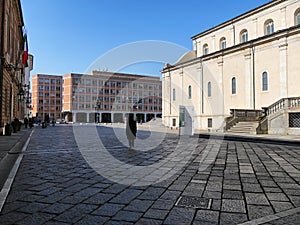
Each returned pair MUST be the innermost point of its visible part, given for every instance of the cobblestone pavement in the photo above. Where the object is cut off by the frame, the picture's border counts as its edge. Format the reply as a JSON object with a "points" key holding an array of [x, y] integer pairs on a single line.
{"points": [[245, 182]]}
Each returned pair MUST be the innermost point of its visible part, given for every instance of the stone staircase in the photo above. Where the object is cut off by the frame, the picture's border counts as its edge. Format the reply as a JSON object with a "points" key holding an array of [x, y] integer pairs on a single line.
{"points": [[244, 128]]}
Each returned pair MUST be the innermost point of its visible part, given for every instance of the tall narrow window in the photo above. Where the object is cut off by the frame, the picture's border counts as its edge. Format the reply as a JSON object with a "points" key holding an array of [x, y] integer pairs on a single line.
{"points": [[233, 85], [269, 27], [222, 43], [209, 122], [205, 49], [244, 36], [190, 91], [265, 81], [174, 94], [297, 17], [209, 89]]}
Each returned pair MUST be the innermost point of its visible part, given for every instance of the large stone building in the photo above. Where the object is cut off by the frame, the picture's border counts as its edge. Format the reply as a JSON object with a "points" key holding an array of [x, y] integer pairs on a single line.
{"points": [[237, 68], [101, 97], [14, 92]]}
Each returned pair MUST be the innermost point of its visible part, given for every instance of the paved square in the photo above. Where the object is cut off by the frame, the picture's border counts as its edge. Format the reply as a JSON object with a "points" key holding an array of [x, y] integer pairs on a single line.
{"points": [[243, 181]]}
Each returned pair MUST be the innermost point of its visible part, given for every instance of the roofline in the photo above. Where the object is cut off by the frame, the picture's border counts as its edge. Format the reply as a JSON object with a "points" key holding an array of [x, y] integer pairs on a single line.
{"points": [[258, 41], [48, 75], [238, 18], [125, 75], [115, 74], [122, 74], [21, 12]]}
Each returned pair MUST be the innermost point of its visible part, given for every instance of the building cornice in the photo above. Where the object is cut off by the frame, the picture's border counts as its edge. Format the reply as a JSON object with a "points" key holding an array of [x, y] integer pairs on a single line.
{"points": [[240, 47], [238, 18]]}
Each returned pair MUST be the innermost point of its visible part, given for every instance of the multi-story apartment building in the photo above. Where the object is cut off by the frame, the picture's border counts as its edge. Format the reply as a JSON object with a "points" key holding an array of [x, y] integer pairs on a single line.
{"points": [[12, 82], [248, 62], [108, 97], [47, 96]]}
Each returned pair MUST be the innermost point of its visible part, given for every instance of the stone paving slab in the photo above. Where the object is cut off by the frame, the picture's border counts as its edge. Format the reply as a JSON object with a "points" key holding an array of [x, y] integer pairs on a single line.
{"points": [[10, 146], [8, 142], [246, 182]]}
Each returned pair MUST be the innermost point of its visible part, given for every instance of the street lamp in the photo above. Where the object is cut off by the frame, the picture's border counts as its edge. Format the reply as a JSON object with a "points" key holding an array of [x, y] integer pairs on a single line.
{"points": [[23, 93]]}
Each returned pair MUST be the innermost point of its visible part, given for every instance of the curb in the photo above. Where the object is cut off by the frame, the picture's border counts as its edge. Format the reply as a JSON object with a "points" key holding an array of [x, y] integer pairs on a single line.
{"points": [[9, 166], [11, 156], [270, 218], [261, 140]]}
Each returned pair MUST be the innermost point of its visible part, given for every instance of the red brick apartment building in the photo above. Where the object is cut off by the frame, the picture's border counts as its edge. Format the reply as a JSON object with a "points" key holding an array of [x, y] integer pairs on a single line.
{"points": [[47, 96], [101, 97]]}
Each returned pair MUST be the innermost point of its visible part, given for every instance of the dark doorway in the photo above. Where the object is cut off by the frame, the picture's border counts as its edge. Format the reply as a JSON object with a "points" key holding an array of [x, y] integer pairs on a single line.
{"points": [[150, 117], [140, 117], [106, 118]]}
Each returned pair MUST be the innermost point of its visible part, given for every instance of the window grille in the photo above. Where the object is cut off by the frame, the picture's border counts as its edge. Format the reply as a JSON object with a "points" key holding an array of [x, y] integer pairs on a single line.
{"points": [[174, 122], [294, 119], [209, 122]]}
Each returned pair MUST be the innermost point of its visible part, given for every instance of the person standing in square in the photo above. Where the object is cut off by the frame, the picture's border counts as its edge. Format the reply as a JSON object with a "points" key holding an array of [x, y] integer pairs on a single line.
{"points": [[131, 130]]}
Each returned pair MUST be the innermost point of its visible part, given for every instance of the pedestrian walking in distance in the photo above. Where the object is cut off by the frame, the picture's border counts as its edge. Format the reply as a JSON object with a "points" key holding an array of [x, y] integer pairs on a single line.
{"points": [[26, 122], [131, 130]]}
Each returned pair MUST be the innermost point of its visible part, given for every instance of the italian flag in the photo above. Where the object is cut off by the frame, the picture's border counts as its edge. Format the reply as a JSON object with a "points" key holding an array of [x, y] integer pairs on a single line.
{"points": [[25, 51]]}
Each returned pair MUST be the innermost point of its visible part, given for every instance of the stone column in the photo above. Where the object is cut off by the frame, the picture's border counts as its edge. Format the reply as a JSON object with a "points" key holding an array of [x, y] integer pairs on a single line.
{"points": [[283, 69], [74, 117], [218, 93], [87, 117], [198, 102], [248, 81], [183, 89], [213, 46], [283, 18], [233, 37], [255, 29], [198, 48], [166, 98]]}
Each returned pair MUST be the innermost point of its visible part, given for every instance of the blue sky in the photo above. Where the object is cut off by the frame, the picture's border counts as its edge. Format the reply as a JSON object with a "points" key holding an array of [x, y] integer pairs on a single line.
{"points": [[68, 35]]}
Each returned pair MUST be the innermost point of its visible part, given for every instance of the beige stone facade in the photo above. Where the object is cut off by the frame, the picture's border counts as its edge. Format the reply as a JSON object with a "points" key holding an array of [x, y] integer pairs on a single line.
{"points": [[248, 62]]}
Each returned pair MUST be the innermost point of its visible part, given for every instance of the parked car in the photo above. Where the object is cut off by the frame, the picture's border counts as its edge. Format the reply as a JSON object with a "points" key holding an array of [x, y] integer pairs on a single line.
{"points": [[58, 120], [61, 121]]}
